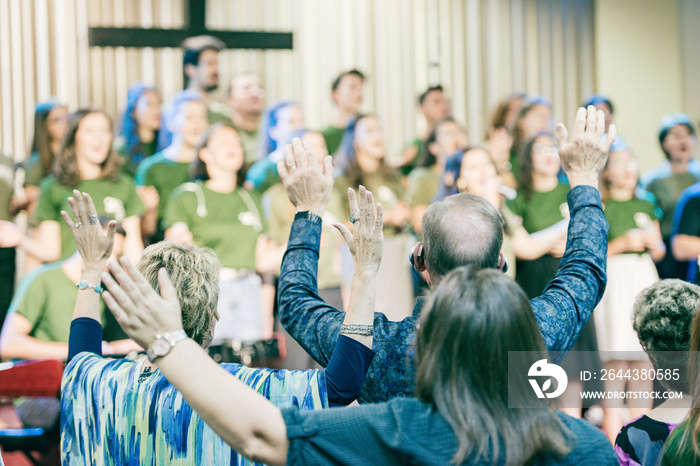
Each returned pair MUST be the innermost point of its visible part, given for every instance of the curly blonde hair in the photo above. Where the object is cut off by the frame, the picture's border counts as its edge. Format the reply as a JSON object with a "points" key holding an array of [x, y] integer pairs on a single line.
{"points": [[66, 162], [194, 272]]}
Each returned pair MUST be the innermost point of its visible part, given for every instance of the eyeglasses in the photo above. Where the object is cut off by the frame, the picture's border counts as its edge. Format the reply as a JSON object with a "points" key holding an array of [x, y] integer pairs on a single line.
{"points": [[545, 150]]}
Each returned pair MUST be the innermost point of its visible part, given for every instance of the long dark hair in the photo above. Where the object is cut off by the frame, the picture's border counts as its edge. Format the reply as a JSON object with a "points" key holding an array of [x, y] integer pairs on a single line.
{"points": [[529, 104], [471, 322], [128, 129], [66, 162], [347, 155], [426, 158], [526, 178], [198, 169], [41, 142]]}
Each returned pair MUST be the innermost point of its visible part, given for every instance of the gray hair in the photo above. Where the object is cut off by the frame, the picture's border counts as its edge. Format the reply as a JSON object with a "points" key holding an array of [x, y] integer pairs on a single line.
{"points": [[462, 229], [663, 316]]}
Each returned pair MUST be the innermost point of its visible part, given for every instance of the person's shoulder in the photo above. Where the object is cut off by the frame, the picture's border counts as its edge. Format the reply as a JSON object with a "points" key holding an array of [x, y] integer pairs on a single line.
{"points": [[653, 174], [186, 191], [50, 183], [691, 191], [589, 442], [40, 277], [149, 162]]}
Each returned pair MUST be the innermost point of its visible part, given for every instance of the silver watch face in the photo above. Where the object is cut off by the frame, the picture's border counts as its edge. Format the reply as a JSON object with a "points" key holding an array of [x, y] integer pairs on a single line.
{"points": [[161, 346]]}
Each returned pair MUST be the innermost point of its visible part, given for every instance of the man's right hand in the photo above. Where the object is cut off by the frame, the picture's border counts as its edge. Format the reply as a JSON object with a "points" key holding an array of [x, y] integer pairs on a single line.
{"points": [[308, 185], [583, 158]]}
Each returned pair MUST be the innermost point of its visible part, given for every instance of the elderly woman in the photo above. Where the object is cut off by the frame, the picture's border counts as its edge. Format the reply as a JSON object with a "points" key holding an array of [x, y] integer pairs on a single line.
{"points": [[663, 319], [461, 413], [121, 411]]}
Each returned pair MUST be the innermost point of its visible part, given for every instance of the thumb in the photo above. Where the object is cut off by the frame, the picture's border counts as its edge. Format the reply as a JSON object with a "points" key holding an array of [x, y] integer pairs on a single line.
{"points": [[347, 236], [167, 290], [562, 135]]}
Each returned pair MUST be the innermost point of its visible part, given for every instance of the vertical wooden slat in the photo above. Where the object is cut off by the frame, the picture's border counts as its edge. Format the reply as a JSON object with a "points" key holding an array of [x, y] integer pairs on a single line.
{"points": [[5, 79], [458, 89], [83, 77], [17, 81], [43, 55], [474, 72], [28, 70], [518, 45]]}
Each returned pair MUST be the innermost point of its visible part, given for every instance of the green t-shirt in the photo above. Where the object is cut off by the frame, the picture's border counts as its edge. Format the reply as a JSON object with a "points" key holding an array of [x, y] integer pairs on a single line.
{"points": [[230, 226], [147, 149], [628, 215], [667, 190], [417, 144], [251, 145], [33, 172], [165, 175], [280, 212], [46, 298], [218, 113], [114, 199], [7, 177], [333, 136], [422, 185], [386, 189], [543, 209]]}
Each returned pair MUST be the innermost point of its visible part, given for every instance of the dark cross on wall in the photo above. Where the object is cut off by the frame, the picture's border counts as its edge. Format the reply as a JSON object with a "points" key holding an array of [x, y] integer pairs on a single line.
{"points": [[195, 16]]}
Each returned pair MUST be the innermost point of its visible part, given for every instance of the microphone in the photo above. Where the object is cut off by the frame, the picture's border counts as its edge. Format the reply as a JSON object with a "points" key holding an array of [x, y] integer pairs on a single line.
{"points": [[508, 192]]}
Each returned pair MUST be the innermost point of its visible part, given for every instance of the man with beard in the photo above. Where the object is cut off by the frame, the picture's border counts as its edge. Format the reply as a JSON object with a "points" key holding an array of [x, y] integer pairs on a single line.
{"points": [[246, 101]]}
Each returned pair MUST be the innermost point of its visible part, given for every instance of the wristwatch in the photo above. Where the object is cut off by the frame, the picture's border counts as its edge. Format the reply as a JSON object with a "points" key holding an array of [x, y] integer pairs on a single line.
{"points": [[309, 216], [164, 343]]}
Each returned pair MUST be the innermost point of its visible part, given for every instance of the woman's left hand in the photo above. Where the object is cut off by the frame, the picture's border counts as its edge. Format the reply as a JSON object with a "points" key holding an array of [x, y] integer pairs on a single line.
{"points": [[367, 239], [92, 243], [138, 308]]}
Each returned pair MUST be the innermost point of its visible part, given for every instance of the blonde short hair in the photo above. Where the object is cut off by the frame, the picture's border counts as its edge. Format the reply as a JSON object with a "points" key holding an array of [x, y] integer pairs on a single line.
{"points": [[194, 272]]}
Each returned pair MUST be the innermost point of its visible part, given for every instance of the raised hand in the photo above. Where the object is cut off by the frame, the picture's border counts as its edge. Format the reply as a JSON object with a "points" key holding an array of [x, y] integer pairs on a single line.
{"points": [[308, 187], [141, 312], [583, 157], [367, 238], [92, 243]]}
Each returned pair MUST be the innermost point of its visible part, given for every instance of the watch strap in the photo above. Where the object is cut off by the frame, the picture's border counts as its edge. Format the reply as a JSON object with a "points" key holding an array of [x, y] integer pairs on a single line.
{"points": [[173, 338]]}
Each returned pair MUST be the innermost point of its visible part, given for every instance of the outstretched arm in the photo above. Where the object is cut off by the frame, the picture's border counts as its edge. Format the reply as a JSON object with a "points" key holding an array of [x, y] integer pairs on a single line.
{"points": [[95, 248], [569, 299], [313, 323]]}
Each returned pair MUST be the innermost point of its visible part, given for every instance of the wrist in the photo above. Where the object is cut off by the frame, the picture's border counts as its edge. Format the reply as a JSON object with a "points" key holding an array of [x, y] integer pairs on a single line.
{"points": [[92, 272], [583, 179], [365, 273], [314, 209]]}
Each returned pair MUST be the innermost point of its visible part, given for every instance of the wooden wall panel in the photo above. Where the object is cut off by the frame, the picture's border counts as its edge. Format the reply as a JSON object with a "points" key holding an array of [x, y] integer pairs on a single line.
{"points": [[479, 50]]}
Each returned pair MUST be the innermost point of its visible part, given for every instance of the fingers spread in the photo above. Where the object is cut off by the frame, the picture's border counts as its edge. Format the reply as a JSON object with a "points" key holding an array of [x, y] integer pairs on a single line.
{"points": [[282, 170], [139, 280], [328, 168], [347, 236], [612, 134], [167, 290], [352, 202], [379, 223], [289, 156], [310, 155], [126, 283], [298, 152], [121, 297], [591, 121], [579, 123], [116, 309], [67, 219], [562, 135]]}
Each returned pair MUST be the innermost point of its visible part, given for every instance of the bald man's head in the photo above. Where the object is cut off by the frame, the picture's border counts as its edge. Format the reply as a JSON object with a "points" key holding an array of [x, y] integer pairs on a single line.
{"points": [[462, 229]]}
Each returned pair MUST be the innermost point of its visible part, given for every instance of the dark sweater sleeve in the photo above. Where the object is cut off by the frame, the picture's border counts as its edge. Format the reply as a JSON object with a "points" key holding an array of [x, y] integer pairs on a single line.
{"points": [[85, 335], [346, 371]]}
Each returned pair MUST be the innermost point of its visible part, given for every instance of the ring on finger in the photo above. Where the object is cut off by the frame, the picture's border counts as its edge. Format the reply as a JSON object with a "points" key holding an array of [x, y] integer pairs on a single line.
{"points": [[353, 219], [79, 224], [93, 219]]}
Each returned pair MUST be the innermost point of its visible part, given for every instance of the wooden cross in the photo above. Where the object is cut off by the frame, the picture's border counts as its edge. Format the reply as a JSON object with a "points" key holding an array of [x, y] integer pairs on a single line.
{"points": [[195, 16]]}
